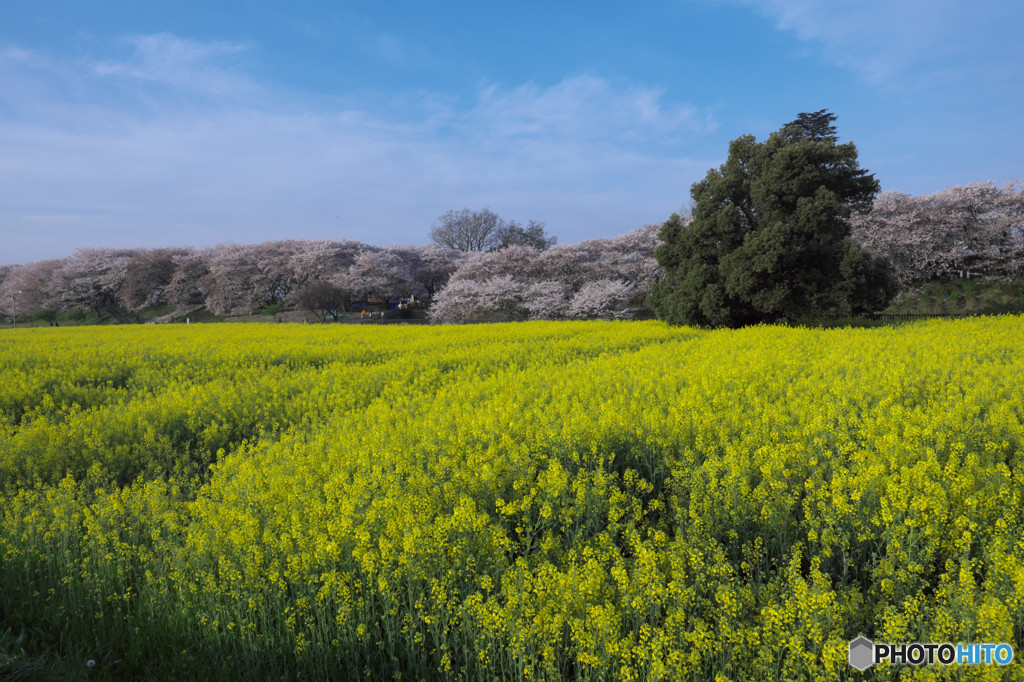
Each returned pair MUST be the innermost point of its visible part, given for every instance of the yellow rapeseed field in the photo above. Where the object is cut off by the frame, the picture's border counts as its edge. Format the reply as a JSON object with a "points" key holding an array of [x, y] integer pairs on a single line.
{"points": [[534, 501]]}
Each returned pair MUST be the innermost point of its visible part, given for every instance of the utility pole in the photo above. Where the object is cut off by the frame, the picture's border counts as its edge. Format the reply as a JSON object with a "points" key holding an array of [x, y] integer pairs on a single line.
{"points": [[14, 298]]}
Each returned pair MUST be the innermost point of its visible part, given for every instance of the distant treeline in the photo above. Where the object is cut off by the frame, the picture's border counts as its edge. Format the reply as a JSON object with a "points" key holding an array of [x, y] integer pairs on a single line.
{"points": [[975, 229], [237, 279]]}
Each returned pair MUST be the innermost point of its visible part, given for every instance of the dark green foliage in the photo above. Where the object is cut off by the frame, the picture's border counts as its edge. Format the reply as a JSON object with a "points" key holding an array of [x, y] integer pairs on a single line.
{"points": [[769, 239], [870, 283]]}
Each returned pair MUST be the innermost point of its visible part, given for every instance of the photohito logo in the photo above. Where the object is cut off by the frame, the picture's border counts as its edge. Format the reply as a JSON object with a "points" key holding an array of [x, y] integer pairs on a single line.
{"points": [[864, 653]]}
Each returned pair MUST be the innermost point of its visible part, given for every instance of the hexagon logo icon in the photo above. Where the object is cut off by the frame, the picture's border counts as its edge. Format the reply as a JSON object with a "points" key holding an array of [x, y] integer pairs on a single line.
{"points": [[862, 653]]}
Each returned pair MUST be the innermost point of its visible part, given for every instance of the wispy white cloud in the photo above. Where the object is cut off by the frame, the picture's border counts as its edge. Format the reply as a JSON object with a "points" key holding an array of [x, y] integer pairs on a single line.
{"points": [[14, 54], [589, 158], [583, 108], [904, 40], [168, 59]]}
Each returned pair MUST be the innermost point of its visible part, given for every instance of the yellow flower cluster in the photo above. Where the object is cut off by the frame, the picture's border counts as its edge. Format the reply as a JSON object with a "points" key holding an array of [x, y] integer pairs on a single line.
{"points": [[591, 500]]}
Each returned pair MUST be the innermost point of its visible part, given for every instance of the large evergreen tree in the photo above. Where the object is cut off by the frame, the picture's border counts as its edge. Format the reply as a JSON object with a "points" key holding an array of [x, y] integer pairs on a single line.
{"points": [[769, 238]]}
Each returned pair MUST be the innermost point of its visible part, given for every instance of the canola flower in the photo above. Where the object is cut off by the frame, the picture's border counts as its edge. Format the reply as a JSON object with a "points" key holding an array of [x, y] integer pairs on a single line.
{"points": [[542, 501]]}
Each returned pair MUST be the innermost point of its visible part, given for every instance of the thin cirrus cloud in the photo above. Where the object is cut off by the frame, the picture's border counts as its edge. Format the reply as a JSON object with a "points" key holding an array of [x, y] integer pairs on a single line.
{"points": [[136, 152], [584, 107], [168, 59], [905, 42]]}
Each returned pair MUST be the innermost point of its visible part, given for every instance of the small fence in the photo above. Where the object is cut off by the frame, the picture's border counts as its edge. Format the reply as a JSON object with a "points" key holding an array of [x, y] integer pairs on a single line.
{"points": [[916, 316]]}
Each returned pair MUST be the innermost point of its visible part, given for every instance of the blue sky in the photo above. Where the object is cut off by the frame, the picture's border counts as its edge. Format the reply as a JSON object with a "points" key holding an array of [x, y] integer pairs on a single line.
{"points": [[171, 123]]}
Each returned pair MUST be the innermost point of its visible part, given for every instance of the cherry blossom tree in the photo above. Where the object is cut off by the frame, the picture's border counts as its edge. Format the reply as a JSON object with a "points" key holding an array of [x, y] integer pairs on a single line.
{"points": [[630, 258], [604, 298], [379, 274], [230, 282], [277, 276], [546, 283], [6, 289], [91, 279], [323, 259], [188, 285], [500, 299], [37, 283], [546, 300], [573, 264], [430, 267], [149, 272], [987, 223], [518, 262], [244, 278], [970, 228]]}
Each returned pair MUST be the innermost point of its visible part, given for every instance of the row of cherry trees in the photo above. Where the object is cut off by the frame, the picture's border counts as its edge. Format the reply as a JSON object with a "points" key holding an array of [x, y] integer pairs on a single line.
{"points": [[228, 279], [606, 278], [597, 278], [975, 229]]}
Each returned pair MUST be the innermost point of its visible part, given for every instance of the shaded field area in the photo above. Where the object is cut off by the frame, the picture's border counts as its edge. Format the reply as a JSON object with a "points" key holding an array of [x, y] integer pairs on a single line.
{"points": [[541, 500], [961, 297]]}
